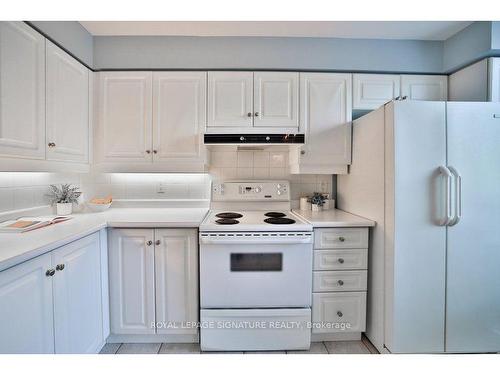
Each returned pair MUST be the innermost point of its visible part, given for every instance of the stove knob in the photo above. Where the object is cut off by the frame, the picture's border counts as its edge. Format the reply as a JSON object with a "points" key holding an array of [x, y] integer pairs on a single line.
{"points": [[278, 192], [268, 138], [278, 186], [258, 189], [242, 138]]}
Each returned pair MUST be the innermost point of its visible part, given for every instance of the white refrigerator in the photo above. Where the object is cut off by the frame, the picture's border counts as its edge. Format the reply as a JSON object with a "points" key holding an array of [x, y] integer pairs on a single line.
{"points": [[429, 174]]}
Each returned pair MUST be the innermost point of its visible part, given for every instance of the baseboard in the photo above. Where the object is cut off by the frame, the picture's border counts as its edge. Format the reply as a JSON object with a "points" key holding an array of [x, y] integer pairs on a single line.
{"points": [[153, 338], [337, 336]]}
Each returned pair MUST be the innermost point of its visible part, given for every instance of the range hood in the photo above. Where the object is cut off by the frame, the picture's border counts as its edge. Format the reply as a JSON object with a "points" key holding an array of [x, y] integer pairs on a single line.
{"points": [[253, 139]]}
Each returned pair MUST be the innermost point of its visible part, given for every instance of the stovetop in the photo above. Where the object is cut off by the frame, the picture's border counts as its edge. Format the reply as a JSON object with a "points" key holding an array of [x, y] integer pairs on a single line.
{"points": [[258, 221]]}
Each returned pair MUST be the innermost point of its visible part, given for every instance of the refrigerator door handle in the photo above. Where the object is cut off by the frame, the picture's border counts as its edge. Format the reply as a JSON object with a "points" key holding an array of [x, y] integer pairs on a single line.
{"points": [[458, 197], [447, 197]]}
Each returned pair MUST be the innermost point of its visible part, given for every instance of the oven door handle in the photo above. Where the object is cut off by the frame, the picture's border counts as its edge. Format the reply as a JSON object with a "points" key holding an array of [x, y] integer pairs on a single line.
{"points": [[206, 240]]}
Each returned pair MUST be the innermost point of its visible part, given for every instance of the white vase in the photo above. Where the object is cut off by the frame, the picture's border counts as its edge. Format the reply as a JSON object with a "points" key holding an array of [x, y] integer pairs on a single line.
{"points": [[315, 207], [304, 204], [64, 208]]}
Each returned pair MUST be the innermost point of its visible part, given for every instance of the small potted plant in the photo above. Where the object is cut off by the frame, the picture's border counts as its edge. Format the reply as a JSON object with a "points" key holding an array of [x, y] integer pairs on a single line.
{"points": [[317, 201], [64, 197]]}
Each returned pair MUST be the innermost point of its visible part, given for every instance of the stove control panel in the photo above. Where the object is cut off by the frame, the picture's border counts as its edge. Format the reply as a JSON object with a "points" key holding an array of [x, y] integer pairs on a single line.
{"points": [[251, 191]]}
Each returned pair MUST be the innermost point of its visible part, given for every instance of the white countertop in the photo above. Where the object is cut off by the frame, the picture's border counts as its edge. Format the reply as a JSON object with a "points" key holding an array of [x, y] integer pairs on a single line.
{"points": [[333, 218], [19, 247]]}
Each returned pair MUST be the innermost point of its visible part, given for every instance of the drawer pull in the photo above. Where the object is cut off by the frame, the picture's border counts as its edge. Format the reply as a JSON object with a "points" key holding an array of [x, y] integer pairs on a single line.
{"points": [[341, 260], [339, 314], [341, 239], [340, 282]]}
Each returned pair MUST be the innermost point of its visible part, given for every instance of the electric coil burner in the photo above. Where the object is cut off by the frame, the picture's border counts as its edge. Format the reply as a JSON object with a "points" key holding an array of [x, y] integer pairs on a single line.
{"points": [[227, 221], [279, 220], [229, 215], [274, 214]]}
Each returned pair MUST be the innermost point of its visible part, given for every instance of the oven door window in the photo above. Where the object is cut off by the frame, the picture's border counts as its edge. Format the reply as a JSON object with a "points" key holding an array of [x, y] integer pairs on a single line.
{"points": [[247, 262]]}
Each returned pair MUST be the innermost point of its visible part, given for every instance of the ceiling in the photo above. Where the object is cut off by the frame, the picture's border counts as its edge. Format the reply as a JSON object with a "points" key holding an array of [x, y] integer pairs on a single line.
{"points": [[416, 30]]}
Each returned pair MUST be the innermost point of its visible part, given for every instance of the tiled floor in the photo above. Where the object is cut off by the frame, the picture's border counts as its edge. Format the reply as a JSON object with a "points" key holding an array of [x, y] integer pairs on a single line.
{"points": [[330, 347]]}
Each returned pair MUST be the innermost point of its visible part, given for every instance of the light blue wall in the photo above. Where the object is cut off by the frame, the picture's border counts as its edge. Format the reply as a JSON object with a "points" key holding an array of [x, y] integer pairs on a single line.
{"points": [[70, 35], [157, 52], [467, 46]]}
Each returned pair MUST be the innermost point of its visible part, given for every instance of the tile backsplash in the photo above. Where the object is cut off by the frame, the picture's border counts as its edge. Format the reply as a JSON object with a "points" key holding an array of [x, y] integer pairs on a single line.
{"points": [[270, 163], [20, 190]]}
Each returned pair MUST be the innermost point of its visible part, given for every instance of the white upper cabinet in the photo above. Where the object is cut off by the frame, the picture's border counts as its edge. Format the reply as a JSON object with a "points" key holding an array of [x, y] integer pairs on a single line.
{"points": [[22, 91], [494, 79], [424, 87], [131, 281], [230, 99], [179, 116], [176, 272], [276, 99], [325, 111], [67, 124], [253, 102], [125, 117], [27, 320], [77, 296], [370, 91]]}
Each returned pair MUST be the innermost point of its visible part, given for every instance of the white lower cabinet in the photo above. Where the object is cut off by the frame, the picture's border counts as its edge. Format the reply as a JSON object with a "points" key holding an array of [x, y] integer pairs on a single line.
{"points": [[77, 296], [339, 283], [131, 281], [27, 318], [153, 277], [339, 312], [53, 303]]}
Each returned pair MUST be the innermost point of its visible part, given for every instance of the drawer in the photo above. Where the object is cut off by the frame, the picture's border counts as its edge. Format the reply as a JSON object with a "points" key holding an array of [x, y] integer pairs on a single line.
{"points": [[339, 281], [350, 259], [340, 238], [339, 312]]}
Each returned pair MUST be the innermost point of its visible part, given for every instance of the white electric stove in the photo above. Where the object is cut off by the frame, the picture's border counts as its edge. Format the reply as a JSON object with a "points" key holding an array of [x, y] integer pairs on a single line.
{"points": [[255, 270]]}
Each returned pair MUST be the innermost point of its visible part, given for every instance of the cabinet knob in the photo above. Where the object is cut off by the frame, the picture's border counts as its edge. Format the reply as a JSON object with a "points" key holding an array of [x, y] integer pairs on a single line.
{"points": [[256, 114], [341, 239], [340, 282], [157, 242], [339, 314], [50, 272], [148, 151], [51, 144], [302, 152], [149, 243], [155, 151], [60, 267], [341, 260], [249, 114]]}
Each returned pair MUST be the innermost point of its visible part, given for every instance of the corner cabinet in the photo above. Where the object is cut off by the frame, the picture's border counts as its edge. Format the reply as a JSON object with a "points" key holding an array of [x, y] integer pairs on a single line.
{"points": [[153, 277], [67, 125], [22, 91], [151, 121], [54, 302], [325, 112], [253, 102]]}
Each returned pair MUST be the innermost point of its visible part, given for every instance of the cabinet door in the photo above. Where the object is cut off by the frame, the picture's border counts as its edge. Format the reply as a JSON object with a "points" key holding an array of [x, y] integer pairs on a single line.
{"points": [[230, 99], [276, 99], [125, 126], [179, 115], [494, 79], [176, 269], [370, 91], [26, 324], [77, 296], [325, 110], [131, 281], [420, 87], [339, 312], [67, 107], [22, 91]]}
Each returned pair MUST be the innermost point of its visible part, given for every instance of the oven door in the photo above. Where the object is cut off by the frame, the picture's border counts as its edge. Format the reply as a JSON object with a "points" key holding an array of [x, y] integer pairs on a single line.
{"points": [[255, 270]]}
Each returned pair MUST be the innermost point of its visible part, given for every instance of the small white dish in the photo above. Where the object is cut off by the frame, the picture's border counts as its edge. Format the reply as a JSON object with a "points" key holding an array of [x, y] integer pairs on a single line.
{"points": [[95, 207]]}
